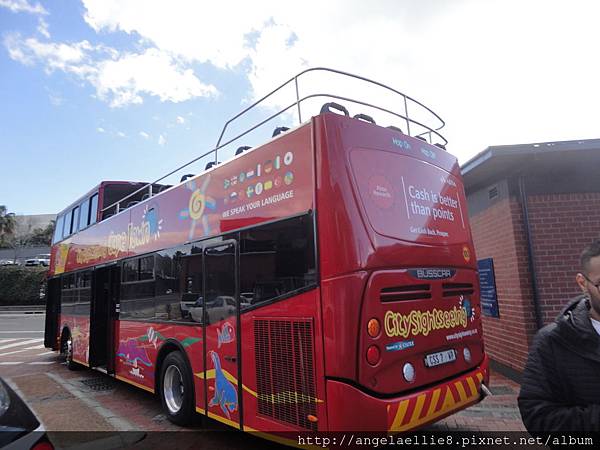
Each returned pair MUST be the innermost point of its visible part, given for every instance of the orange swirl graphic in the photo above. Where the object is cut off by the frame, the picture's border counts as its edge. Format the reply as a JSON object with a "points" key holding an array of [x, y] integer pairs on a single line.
{"points": [[196, 206]]}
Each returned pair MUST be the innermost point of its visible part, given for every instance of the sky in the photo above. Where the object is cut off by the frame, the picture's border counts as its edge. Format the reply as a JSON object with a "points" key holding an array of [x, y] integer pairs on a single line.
{"points": [[97, 90]]}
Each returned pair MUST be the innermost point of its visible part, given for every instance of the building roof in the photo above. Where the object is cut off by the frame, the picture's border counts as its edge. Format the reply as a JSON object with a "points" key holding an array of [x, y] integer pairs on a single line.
{"points": [[501, 161]]}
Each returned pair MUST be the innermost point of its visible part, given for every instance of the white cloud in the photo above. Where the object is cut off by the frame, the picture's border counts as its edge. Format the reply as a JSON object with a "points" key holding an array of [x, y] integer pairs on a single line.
{"points": [[180, 120], [18, 6], [498, 72], [124, 80], [71, 58], [43, 28], [119, 79], [100, 130], [120, 134], [214, 32], [162, 140], [501, 71], [144, 135]]}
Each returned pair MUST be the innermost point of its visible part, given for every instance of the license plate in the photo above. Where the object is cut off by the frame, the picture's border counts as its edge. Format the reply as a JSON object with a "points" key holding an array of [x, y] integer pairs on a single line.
{"points": [[439, 358]]}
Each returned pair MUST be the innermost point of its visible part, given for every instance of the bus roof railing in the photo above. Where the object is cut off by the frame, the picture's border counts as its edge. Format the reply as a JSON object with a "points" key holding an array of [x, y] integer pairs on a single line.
{"points": [[429, 131]]}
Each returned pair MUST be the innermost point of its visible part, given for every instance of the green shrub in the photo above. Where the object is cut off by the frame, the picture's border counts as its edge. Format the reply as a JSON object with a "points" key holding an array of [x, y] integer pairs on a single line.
{"points": [[21, 285]]}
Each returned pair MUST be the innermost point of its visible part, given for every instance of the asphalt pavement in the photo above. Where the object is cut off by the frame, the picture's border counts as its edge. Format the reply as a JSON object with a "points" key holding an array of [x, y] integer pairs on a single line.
{"points": [[20, 325]]}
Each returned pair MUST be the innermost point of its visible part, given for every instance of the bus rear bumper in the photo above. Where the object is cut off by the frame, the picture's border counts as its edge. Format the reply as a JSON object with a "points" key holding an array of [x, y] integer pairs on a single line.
{"points": [[350, 409]]}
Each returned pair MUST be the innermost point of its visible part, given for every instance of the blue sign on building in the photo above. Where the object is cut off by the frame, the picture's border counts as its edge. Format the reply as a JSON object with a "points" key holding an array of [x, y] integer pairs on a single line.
{"points": [[487, 282]]}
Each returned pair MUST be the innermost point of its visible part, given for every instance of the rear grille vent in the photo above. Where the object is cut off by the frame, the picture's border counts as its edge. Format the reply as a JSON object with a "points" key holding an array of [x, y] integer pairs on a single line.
{"points": [[285, 371], [454, 289], [408, 292]]}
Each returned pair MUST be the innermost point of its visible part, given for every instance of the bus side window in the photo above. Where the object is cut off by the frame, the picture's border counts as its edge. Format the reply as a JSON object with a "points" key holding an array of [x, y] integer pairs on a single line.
{"points": [[66, 225], [93, 209], [276, 259], [167, 270], [137, 288], [58, 229], [83, 292], [68, 295], [74, 220], [190, 279], [84, 214]]}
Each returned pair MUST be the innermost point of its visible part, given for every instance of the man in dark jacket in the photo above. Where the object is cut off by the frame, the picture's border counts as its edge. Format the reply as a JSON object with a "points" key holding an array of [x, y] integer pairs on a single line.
{"points": [[561, 383]]}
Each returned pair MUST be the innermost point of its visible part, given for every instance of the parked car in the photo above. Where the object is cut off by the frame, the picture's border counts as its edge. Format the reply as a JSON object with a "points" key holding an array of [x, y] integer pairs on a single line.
{"points": [[8, 262], [19, 428], [189, 300], [39, 260], [220, 308]]}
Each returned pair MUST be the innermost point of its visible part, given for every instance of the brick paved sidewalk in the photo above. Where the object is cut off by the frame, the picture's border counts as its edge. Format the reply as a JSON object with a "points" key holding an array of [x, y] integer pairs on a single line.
{"points": [[498, 412]]}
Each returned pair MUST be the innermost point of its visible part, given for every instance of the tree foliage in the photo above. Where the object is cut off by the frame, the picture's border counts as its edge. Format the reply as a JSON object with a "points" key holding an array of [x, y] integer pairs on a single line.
{"points": [[21, 285], [7, 226], [42, 236]]}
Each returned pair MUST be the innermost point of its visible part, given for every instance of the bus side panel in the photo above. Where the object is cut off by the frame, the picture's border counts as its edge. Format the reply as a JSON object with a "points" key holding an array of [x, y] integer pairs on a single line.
{"points": [[281, 367], [137, 345], [344, 244], [342, 299], [79, 327]]}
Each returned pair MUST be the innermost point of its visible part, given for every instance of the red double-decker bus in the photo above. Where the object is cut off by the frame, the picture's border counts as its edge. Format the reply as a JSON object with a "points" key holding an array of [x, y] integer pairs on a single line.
{"points": [[329, 270]]}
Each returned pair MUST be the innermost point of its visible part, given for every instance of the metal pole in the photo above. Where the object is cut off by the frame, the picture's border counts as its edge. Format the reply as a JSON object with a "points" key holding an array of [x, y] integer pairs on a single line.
{"points": [[406, 115], [298, 101], [539, 320]]}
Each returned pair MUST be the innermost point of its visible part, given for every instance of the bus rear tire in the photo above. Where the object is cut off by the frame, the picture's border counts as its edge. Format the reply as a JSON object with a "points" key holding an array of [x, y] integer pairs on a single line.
{"points": [[176, 390]]}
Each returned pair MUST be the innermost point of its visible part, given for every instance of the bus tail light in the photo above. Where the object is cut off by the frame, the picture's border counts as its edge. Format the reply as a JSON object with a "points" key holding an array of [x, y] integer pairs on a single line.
{"points": [[373, 328], [373, 355]]}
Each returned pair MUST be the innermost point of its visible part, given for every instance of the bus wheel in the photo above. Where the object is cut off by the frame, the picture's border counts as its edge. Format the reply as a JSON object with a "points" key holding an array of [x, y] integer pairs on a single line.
{"points": [[177, 389], [67, 350]]}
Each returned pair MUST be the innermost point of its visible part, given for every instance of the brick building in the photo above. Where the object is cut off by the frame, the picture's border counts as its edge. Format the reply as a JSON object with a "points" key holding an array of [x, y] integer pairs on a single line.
{"points": [[533, 208]]}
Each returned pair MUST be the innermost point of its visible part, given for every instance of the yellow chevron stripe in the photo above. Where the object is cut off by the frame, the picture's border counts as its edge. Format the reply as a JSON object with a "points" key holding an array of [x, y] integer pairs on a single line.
{"points": [[400, 414], [418, 407], [479, 376], [471, 384], [434, 399], [448, 405], [461, 391]]}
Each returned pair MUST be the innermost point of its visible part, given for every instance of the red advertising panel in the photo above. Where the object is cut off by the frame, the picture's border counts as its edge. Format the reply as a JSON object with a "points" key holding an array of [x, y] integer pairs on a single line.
{"points": [[270, 182], [409, 199]]}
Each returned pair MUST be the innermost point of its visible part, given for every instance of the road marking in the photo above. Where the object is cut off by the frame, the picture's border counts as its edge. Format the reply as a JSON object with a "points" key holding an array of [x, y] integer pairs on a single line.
{"points": [[39, 363], [37, 347], [7, 340], [18, 344], [119, 423], [13, 352], [10, 363]]}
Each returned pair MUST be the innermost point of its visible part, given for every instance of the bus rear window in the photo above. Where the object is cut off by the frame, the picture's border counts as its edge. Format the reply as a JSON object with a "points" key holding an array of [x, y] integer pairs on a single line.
{"points": [[409, 199]]}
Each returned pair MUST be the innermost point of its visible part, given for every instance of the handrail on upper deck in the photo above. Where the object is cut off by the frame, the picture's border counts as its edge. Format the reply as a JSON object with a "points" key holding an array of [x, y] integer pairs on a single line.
{"points": [[405, 100]]}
